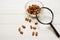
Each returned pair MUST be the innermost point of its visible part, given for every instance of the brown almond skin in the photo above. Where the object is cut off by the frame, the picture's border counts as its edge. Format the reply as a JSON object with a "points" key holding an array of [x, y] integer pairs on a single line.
{"points": [[34, 13], [26, 19], [36, 34], [35, 10], [23, 26], [28, 10], [19, 29], [21, 32], [29, 20], [30, 26], [33, 33], [38, 12], [36, 23], [34, 28]]}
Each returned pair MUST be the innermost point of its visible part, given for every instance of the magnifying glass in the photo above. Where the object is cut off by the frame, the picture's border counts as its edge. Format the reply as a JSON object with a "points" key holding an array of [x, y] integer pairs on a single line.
{"points": [[46, 17]]}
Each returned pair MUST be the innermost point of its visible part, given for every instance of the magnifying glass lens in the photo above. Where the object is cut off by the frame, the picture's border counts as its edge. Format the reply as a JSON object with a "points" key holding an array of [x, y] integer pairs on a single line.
{"points": [[45, 16]]}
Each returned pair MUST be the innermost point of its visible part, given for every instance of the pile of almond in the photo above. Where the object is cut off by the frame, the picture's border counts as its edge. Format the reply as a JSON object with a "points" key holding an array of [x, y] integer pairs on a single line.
{"points": [[33, 9]]}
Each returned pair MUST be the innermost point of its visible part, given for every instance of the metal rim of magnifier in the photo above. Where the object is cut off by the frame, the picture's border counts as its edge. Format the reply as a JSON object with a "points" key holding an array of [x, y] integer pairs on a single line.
{"points": [[51, 13]]}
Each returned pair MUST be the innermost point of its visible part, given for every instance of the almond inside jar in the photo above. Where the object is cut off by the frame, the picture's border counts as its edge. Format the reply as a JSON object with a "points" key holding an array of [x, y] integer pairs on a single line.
{"points": [[34, 9]]}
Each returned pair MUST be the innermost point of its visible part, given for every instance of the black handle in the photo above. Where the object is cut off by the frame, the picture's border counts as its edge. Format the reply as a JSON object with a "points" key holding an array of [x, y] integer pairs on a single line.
{"points": [[57, 34]]}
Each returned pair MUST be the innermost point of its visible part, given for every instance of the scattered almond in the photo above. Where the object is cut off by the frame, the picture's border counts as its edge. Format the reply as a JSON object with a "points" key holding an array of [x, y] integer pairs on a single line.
{"points": [[36, 23], [33, 33], [19, 29], [34, 28], [36, 34], [21, 32], [26, 19], [23, 26], [30, 26], [29, 20]]}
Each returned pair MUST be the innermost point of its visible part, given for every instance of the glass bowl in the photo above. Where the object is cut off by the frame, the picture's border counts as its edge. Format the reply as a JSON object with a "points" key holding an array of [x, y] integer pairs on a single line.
{"points": [[33, 2]]}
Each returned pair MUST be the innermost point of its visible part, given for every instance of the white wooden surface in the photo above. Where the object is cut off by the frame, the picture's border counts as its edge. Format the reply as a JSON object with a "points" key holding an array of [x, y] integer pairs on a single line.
{"points": [[12, 14]]}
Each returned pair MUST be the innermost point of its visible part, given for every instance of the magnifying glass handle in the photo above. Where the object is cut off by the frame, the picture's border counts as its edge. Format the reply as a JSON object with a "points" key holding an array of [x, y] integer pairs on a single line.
{"points": [[57, 34]]}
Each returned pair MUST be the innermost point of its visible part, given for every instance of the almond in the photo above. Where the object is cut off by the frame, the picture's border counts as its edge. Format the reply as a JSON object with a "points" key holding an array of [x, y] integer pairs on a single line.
{"points": [[23, 26]]}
